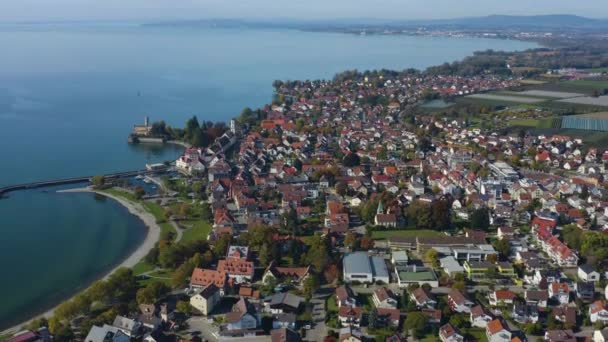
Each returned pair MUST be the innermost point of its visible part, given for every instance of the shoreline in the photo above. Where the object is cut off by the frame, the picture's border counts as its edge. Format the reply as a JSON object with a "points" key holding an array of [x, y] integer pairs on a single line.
{"points": [[152, 237]]}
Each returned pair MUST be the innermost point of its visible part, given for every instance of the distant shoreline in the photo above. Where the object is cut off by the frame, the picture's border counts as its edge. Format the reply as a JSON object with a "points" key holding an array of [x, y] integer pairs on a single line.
{"points": [[152, 237]]}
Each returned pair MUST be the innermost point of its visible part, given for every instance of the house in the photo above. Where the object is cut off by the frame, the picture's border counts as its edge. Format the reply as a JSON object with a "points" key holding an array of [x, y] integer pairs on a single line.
{"points": [[202, 278], [360, 267], [458, 302], [128, 326], [479, 317], [236, 265], [560, 336], [388, 317], [501, 297], [536, 297], [284, 335], [350, 316], [598, 312], [345, 297], [586, 272], [296, 274], [524, 313], [497, 332], [107, 333], [585, 290], [422, 298], [283, 302], [206, 299], [243, 316], [350, 334], [384, 298], [284, 320], [149, 316], [447, 333], [560, 292], [565, 314]]}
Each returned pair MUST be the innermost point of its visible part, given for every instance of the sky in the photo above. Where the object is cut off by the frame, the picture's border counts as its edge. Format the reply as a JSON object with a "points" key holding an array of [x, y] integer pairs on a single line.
{"points": [[58, 10]]}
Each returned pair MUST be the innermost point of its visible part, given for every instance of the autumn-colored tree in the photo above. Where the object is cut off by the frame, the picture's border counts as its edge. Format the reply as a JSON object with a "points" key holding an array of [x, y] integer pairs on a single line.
{"points": [[367, 243], [331, 273]]}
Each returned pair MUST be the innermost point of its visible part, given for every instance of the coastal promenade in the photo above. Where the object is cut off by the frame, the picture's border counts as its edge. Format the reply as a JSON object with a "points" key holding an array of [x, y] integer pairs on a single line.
{"points": [[76, 180]]}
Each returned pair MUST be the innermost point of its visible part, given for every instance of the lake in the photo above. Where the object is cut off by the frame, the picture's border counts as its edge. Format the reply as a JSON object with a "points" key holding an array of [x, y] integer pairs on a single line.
{"points": [[70, 94]]}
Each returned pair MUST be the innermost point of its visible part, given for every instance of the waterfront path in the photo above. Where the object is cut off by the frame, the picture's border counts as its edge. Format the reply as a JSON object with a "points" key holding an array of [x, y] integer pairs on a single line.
{"points": [[75, 180]]}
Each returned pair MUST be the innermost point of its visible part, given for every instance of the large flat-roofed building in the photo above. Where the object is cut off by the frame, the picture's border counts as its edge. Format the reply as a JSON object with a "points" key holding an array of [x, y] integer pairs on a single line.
{"points": [[361, 267], [504, 171], [451, 266], [416, 275]]}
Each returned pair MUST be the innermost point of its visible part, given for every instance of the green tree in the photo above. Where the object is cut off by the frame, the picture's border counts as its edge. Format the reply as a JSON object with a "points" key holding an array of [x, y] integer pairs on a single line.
{"points": [[415, 322], [351, 159], [480, 219], [151, 293], [184, 307], [503, 247], [341, 188], [311, 284], [139, 192], [98, 181]]}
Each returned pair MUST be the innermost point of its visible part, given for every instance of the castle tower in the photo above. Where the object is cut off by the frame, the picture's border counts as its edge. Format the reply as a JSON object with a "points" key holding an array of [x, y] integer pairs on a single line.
{"points": [[146, 121]]}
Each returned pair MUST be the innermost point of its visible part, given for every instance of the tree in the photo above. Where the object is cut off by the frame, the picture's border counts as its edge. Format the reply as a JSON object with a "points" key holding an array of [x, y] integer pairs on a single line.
{"points": [[221, 245], [373, 318], [184, 307], [350, 240], [415, 322], [311, 284], [206, 213], [441, 216], [351, 159], [139, 192], [432, 256], [198, 140], [317, 254], [341, 188], [460, 321], [98, 181], [503, 247], [151, 293], [480, 219], [331, 273], [366, 243], [459, 285], [298, 164]]}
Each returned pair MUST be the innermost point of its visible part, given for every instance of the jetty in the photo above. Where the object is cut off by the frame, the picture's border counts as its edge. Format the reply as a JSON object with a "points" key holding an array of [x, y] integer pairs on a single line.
{"points": [[77, 180]]}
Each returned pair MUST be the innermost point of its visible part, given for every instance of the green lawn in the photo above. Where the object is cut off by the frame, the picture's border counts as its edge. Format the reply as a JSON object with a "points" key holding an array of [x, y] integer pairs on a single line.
{"points": [[199, 230], [142, 267], [429, 338], [589, 84], [382, 235], [478, 333]]}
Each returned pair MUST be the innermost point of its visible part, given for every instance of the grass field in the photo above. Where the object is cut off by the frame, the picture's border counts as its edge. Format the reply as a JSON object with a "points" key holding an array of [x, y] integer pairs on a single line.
{"points": [[199, 230], [589, 84], [142, 267], [382, 235]]}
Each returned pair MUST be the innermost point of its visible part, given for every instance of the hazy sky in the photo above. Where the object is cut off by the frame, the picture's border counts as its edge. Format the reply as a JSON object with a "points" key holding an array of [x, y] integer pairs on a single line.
{"points": [[26, 10]]}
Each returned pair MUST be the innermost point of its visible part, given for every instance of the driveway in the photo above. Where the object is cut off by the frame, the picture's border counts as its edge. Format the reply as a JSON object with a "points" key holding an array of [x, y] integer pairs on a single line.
{"points": [[319, 330]]}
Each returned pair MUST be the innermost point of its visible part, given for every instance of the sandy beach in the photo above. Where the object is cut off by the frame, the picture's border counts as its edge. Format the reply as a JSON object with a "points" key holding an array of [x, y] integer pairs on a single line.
{"points": [[151, 239]]}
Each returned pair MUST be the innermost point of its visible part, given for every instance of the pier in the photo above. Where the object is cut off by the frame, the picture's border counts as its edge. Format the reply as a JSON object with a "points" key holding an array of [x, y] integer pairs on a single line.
{"points": [[76, 180]]}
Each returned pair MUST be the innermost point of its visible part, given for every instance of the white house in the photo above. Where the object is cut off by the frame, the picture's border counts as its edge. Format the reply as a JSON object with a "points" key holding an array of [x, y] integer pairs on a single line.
{"points": [[242, 317], [206, 299], [587, 273], [598, 312], [128, 326], [384, 298], [560, 291], [479, 317]]}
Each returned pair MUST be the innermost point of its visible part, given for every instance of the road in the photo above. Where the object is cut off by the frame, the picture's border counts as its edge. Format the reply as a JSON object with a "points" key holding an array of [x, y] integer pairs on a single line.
{"points": [[199, 326]]}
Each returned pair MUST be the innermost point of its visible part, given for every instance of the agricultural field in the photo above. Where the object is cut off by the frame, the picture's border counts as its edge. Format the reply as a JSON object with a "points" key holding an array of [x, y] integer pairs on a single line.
{"points": [[588, 100], [506, 98], [550, 94]]}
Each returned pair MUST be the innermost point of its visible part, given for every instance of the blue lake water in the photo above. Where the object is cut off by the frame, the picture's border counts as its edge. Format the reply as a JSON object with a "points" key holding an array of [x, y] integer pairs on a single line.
{"points": [[70, 95]]}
